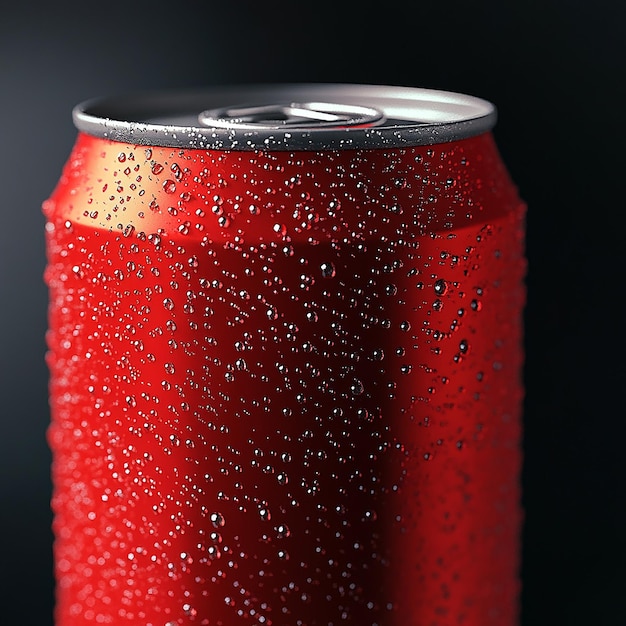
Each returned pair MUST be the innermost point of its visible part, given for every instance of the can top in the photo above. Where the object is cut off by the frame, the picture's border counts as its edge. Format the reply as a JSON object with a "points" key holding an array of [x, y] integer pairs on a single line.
{"points": [[320, 116]]}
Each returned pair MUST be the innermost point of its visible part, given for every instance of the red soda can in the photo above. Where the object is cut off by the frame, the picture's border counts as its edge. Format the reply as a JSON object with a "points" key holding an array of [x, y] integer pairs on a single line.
{"points": [[285, 346]]}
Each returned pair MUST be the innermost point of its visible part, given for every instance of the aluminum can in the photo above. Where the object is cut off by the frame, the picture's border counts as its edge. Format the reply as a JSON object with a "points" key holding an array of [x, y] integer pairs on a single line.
{"points": [[285, 346]]}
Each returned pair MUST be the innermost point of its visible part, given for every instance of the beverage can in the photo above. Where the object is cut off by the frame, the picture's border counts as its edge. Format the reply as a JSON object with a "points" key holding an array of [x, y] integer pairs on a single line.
{"points": [[285, 352]]}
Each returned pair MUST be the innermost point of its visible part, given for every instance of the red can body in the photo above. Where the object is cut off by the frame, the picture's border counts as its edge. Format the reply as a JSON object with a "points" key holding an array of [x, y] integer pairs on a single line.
{"points": [[285, 386]]}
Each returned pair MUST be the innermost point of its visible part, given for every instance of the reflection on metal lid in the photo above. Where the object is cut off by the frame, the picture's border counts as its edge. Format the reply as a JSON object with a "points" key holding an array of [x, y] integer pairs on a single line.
{"points": [[288, 117]]}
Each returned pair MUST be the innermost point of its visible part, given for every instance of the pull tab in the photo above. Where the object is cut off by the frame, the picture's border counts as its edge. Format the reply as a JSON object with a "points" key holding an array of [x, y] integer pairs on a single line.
{"points": [[305, 115]]}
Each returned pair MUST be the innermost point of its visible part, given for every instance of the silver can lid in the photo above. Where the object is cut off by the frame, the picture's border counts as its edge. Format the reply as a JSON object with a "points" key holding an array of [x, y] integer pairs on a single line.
{"points": [[288, 117]]}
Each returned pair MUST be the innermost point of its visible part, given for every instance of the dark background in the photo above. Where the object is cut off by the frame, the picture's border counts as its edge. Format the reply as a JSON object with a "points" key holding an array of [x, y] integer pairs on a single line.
{"points": [[556, 72]]}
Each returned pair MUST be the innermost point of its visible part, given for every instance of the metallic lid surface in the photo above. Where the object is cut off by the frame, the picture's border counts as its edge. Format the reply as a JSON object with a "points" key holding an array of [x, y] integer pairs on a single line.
{"points": [[288, 117]]}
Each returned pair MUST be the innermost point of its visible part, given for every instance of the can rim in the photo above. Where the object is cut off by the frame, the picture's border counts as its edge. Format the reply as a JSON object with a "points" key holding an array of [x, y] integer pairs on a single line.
{"points": [[411, 117]]}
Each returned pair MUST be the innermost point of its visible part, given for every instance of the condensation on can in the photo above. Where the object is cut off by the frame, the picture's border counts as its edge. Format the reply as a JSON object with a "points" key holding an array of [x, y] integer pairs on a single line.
{"points": [[285, 355]]}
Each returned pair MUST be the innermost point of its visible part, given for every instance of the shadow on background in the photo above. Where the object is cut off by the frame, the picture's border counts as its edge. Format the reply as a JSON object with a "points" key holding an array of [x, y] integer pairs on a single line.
{"points": [[558, 81]]}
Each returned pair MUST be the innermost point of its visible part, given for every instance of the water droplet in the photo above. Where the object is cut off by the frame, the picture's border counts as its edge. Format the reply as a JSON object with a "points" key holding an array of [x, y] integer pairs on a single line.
{"points": [[363, 414], [189, 610], [213, 552], [440, 287], [356, 388], [328, 270], [217, 519], [282, 531]]}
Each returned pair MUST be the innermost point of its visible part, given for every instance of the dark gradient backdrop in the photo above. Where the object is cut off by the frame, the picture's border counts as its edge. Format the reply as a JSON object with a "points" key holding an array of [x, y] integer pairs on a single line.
{"points": [[556, 72]]}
